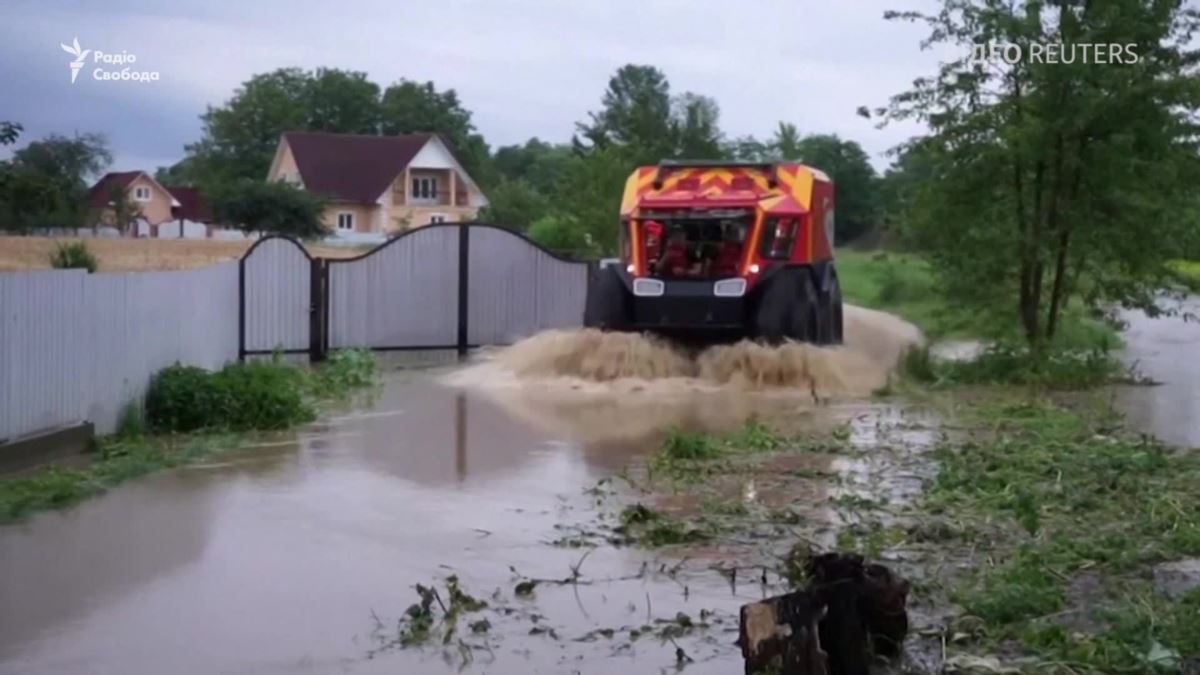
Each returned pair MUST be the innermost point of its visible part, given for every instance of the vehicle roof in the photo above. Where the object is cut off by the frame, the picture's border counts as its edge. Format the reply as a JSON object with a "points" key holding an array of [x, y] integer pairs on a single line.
{"points": [[685, 183]]}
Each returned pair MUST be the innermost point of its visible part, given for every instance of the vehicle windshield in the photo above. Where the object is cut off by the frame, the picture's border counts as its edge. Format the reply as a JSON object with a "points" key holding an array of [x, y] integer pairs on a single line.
{"points": [[695, 246]]}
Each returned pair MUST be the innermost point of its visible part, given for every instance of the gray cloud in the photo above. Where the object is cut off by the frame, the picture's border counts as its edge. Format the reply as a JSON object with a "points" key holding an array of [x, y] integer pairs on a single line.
{"points": [[524, 67]]}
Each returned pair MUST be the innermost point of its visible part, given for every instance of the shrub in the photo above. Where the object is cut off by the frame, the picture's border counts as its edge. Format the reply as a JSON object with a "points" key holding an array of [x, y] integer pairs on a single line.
{"points": [[346, 369], [73, 255], [1003, 364], [239, 397], [260, 396], [181, 398]]}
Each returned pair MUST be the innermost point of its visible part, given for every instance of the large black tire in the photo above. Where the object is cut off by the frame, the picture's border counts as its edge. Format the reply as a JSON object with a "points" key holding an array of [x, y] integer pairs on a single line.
{"points": [[830, 325], [787, 308], [607, 306], [836, 321]]}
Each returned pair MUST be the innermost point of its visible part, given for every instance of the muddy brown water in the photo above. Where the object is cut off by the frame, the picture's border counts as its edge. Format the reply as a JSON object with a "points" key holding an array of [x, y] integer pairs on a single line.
{"points": [[300, 554], [282, 558]]}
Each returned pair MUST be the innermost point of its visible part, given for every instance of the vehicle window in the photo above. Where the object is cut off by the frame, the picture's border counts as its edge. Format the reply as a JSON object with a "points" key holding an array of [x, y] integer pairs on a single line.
{"points": [[779, 237]]}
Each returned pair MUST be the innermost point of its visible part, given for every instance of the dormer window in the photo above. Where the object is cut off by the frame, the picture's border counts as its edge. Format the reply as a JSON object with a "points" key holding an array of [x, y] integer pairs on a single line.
{"points": [[141, 193]]}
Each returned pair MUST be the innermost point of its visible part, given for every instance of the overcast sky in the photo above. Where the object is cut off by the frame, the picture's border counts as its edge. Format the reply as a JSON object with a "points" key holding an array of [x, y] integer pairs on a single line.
{"points": [[523, 67]]}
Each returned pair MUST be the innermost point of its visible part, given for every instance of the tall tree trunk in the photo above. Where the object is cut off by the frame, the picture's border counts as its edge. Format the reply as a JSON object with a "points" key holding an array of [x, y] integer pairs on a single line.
{"points": [[1026, 307], [1060, 290]]}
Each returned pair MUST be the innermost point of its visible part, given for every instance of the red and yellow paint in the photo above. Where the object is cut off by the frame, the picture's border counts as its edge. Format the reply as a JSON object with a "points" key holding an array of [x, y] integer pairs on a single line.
{"points": [[784, 190]]}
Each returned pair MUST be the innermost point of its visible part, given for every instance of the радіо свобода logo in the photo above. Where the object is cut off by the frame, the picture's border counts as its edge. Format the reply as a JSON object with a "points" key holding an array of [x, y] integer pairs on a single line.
{"points": [[108, 65], [80, 55]]}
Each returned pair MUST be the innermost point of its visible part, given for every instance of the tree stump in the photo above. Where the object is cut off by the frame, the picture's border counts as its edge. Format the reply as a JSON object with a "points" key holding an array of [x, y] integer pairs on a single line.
{"points": [[848, 614]]}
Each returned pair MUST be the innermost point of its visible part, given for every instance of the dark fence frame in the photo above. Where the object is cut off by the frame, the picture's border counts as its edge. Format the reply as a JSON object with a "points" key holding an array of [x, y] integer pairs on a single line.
{"points": [[319, 305]]}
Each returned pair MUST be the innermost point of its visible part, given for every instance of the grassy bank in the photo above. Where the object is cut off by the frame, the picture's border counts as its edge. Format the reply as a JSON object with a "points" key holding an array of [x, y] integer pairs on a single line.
{"points": [[1187, 272], [1032, 545], [904, 284], [192, 415], [1059, 517]]}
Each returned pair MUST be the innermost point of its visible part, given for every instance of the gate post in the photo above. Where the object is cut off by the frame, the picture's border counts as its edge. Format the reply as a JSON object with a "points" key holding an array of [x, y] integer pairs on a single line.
{"points": [[317, 310], [464, 278], [242, 308]]}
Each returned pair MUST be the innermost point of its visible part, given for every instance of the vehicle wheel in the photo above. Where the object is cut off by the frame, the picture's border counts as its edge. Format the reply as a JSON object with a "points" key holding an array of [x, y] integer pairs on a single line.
{"points": [[837, 334], [607, 306], [772, 312], [806, 324]]}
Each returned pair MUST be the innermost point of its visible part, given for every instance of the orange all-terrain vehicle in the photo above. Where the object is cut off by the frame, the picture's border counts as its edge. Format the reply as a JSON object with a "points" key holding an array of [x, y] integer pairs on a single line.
{"points": [[718, 251]]}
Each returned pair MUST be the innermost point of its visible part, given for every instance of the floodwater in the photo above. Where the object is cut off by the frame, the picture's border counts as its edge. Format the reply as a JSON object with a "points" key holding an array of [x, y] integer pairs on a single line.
{"points": [[1165, 349], [300, 554]]}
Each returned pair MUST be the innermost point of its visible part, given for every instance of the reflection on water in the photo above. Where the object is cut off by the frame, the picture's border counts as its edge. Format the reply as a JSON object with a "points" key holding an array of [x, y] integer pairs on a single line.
{"points": [[1167, 350], [275, 558], [278, 558]]}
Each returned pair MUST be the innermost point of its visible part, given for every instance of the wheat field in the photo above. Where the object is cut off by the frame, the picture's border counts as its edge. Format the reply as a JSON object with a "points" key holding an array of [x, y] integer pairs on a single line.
{"points": [[135, 255]]}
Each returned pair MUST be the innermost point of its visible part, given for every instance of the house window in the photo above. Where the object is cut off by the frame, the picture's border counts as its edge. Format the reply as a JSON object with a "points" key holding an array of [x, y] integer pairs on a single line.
{"points": [[141, 193], [425, 187], [437, 218], [345, 220]]}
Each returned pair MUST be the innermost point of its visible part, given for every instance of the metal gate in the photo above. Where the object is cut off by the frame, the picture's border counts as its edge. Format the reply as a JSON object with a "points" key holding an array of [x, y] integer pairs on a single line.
{"points": [[442, 286], [276, 308]]}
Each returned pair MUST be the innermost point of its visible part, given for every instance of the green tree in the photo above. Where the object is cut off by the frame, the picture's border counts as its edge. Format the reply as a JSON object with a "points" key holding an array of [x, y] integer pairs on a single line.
{"points": [[45, 183], [341, 101], [125, 210], [515, 203], [72, 161], [182, 173], [415, 107], [275, 207], [635, 114], [239, 138], [1052, 177], [9, 132], [589, 195], [854, 180], [697, 127], [785, 144], [561, 235], [537, 162]]}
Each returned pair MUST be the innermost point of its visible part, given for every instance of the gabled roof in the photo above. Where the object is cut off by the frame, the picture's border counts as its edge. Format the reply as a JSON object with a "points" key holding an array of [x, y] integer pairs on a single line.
{"points": [[186, 202], [192, 206], [352, 167], [98, 196]]}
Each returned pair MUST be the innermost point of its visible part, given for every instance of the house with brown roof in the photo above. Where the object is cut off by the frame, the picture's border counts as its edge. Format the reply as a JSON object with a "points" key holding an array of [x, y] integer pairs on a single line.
{"points": [[378, 185], [158, 203]]}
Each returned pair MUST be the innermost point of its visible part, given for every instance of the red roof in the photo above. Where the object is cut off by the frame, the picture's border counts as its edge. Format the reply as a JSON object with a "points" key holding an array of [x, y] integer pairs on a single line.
{"points": [[352, 167], [98, 196], [192, 205]]}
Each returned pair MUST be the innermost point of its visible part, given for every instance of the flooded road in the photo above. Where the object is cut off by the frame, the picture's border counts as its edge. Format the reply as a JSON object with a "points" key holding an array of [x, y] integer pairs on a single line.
{"points": [[300, 555], [1167, 350]]}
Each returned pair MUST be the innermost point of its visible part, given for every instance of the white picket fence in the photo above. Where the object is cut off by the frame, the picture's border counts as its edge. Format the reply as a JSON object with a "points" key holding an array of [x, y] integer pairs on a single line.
{"points": [[76, 346]]}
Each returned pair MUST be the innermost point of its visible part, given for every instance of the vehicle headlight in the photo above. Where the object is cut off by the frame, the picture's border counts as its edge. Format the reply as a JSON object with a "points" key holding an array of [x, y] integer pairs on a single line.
{"points": [[730, 288], [648, 287]]}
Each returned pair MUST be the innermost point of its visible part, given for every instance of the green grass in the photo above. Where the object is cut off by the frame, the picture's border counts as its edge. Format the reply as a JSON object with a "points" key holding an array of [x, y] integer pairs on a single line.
{"points": [[118, 460], [1187, 272], [904, 284], [1051, 492], [267, 396]]}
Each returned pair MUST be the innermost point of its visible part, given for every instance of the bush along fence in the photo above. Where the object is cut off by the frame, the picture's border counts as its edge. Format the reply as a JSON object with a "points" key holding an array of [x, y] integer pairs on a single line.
{"points": [[78, 347]]}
